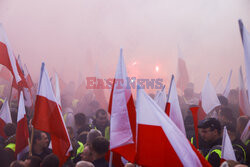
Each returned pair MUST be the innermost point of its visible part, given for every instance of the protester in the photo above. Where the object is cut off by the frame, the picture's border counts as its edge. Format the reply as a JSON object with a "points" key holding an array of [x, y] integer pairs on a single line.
{"points": [[50, 160], [78, 146], [82, 127], [84, 164], [100, 147], [102, 123], [239, 147], [40, 145]]}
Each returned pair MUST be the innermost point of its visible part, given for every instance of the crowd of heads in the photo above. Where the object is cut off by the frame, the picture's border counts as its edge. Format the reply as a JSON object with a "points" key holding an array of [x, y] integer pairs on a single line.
{"points": [[88, 128]]}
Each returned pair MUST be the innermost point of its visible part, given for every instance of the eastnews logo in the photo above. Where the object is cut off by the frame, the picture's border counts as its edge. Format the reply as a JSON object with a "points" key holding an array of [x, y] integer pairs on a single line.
{"points": [[128, 83]]}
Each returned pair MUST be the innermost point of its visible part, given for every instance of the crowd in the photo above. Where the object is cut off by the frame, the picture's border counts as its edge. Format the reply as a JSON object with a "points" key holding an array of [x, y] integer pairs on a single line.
{"points": [[88, 127]]}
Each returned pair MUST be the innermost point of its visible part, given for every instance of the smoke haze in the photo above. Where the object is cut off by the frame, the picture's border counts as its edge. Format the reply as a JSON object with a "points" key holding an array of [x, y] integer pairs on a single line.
{"points": [[75, 37]]}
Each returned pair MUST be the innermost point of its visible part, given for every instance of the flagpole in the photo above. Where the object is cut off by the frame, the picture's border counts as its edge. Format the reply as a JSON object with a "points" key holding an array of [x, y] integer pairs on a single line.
{"points": [[31, 141], [11, 90], [110, 158], [172, 78]]}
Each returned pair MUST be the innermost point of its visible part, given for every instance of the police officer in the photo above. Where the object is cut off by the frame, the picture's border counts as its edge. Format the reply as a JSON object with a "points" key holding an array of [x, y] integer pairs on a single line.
{"points": [[210, 132]]}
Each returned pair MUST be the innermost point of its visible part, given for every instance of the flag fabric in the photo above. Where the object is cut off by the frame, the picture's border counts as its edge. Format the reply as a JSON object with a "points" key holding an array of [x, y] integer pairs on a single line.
{"points": [[28, 77], [20, 63], [48, 117], [161, 98], [27, 93], [182, 73], [244, 106], [174, 107], [5, 117], [227, 151], [57, 90], [245, 36], [159, 140], [246, 133], [195, 111], [123, 116], [209, 99], [228, 86], [22, 131], [7, 57]]}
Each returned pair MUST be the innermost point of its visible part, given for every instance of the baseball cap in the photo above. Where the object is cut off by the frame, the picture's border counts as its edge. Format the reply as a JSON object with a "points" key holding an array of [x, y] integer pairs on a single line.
{"points": [[212, 123]]}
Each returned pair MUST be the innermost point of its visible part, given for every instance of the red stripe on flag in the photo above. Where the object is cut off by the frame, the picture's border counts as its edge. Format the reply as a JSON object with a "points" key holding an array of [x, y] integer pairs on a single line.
{"points": [[195, 118], [47, 118], [154, 149], [22, 135], [2, 124]]}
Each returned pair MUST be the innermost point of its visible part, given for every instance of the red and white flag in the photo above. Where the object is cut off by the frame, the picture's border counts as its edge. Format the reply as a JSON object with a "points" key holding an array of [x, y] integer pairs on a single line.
{"points": [[5, 117], [7, 57], [209, 99], [28, 77], [228, 86], [227, 151], [161, 98], [48, 117], [174, 107], [57, 90], [245, 36], [22, 132], [123, 115], [159, 141], [182, 73], [244, 106]]}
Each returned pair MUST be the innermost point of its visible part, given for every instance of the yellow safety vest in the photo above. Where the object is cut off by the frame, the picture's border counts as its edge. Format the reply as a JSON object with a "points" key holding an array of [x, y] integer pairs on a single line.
{"points": [[79, 149], [11, 146], [192, 140], [245, 155], [247, 142], [216, 150], [107, 134]]}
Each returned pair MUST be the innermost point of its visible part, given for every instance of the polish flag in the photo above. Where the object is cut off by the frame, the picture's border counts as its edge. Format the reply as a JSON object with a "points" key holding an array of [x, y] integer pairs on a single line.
{"points": [[7, 57], [227, 151], [228, 86], [123, 115], [174, 107], [161, 98], [22, 132], [48, 117], [57, 90], [28, 77], [5, 117], [23, 82], [159, 141], [244, 106], [209, 99], [182, 73], [245, 36], [20, 63]]}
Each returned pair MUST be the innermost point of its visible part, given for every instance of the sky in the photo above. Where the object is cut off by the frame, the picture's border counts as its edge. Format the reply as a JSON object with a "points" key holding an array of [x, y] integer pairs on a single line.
{"points": [[83, 37]]}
